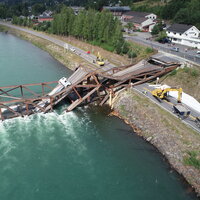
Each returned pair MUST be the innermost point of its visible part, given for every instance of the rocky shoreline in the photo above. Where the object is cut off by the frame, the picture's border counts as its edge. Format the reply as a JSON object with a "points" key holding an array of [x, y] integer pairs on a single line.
{"points": [[171, 137], [168, 134]]}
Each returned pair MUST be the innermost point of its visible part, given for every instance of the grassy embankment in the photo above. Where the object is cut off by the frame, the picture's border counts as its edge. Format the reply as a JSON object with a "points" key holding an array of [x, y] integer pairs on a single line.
{"points": [[179, 143], [71, 60], [188, 78], [119, 60]]}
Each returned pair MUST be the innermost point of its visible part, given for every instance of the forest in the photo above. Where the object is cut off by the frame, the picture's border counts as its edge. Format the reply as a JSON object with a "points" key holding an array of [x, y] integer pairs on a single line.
{"points": [[97, 28], [10, 8], [177, 11]]}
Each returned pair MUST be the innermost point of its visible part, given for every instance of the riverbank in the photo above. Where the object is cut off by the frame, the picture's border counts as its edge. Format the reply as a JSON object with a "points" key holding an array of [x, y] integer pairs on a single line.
{"points": [[67, 58], [172, 138], [177, 142]]}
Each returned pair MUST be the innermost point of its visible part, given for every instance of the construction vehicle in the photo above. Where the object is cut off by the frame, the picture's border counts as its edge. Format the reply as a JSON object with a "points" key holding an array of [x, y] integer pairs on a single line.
{"points": [[181, 111], [162, 93], [197, 121], [100, 60]]}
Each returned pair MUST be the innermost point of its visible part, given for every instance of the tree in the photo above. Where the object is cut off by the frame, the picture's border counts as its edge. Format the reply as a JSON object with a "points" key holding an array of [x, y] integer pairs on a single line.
{"points": [[100, 28], [161, 36], [157, 28], [129, 26], [38, 8]]}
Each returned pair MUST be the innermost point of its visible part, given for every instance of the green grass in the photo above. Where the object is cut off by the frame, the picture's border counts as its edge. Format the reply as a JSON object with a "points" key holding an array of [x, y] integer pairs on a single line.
{"points": [[191, 71], [123, 110], [192, 159], [141, 51], [3, 28], [105, 46], [174, 72]]}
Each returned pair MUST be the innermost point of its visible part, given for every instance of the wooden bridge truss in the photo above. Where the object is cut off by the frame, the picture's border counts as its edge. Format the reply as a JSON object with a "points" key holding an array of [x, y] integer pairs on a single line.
{"points": [[21, 100]]}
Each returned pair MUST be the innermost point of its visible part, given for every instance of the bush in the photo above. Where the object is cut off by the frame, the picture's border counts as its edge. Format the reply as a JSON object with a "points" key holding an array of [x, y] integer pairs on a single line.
{"points": [[125, 48], [132, 54], [194, 73], [148, 50], [174, 72], [155, 30], [186, 69]]}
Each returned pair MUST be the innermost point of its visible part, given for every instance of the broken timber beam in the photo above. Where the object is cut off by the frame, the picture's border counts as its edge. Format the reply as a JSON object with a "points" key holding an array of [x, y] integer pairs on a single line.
{"points": [[79, 101]]}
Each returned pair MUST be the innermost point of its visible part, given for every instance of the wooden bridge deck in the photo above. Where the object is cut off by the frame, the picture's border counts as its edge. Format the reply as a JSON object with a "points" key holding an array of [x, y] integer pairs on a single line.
{"points": [[86, 84]]}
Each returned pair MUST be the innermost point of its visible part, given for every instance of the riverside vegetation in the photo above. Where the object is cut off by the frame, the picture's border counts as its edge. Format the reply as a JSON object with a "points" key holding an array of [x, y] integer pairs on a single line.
{"points": [[71, 60], [97, 28]]}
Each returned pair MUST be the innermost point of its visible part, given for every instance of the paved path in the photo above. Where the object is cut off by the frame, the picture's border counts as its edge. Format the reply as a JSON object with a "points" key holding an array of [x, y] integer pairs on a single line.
{"points": [[88, 57]]}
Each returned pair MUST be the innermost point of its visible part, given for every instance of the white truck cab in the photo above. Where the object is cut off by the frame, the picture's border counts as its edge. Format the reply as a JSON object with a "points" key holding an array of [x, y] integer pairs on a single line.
{"points": [[64, 82]]}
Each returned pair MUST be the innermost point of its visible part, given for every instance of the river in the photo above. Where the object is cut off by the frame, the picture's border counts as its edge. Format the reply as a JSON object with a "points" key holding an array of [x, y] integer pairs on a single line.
{"points": [[83, 154]]}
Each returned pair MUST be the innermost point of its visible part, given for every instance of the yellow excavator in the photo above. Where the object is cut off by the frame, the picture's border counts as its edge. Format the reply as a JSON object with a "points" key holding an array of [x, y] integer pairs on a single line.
{"points": [[162, 93], [100, 60]]}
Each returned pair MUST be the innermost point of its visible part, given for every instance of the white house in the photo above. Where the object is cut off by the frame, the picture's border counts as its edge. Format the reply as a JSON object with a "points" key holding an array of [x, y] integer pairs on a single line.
{"points": [[141, 20], [187, 35]]}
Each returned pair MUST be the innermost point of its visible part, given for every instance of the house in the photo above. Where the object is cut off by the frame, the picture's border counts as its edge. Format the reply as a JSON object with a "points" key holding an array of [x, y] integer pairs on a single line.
{"points": [[44, 18], [47, 13], [117, 11], [141, 20], [187, 35]]}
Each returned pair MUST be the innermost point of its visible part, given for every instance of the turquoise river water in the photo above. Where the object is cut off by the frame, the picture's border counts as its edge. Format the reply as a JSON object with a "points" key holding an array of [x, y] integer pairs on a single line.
{"points": [[84, 154]]}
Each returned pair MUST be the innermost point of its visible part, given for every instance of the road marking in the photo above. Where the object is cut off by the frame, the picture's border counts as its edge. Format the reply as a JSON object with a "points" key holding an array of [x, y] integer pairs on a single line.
{"points": [[147, 90]]}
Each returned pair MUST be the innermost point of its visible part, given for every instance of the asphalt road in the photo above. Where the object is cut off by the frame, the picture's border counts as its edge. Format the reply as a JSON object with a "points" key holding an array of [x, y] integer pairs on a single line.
{"points": [[168, 105], [189, 55]]}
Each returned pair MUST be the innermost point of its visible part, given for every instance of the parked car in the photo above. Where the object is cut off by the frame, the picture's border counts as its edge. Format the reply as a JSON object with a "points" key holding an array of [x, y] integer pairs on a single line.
{"points": [[197, 56], [198, 52], [164, 40], [72, 49], [175, 49]]}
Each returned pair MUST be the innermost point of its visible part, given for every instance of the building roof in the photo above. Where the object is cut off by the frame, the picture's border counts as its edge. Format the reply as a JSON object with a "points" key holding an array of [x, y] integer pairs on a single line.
{"points": [[117, 8], [77, 7], [45, 17], [137, 20], [137, 14], [179, 28]]}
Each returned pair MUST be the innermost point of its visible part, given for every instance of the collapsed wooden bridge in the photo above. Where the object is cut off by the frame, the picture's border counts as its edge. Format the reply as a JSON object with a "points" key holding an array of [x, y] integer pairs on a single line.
{"points": [[85, 85]]}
